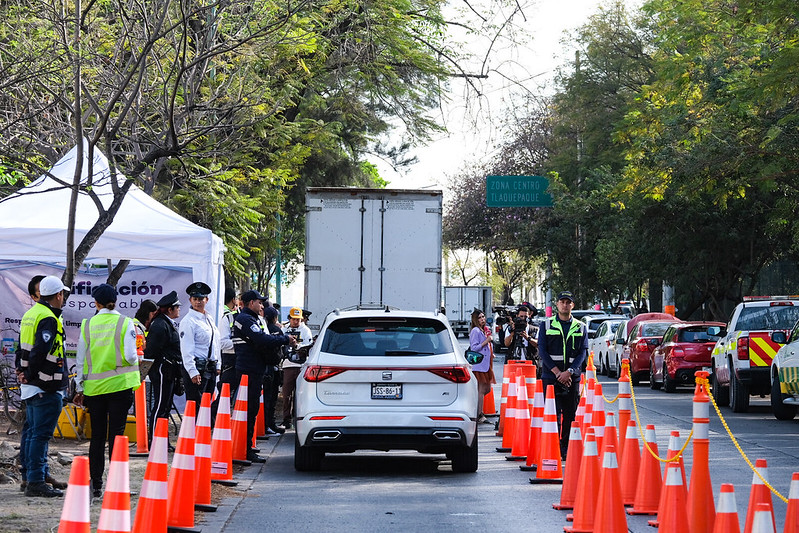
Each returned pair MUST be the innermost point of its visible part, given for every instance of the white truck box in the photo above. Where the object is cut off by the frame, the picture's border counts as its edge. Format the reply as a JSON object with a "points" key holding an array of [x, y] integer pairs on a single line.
{"points": [[459, 302], [371, 246]]}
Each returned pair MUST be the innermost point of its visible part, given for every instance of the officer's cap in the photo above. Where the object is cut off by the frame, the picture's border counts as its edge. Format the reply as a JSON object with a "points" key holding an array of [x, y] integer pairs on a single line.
{"points": [[170, 300], [198, 289], [104, 293], [566, 295], [252, 295]]}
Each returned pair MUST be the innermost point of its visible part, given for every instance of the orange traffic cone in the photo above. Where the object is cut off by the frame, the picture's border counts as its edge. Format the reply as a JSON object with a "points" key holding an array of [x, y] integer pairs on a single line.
{"points": [[534, 446], [647, 490], [589, 405], [759, 494], [221, 443], [598, 415], [549, 468], [590, 367], [151, 509], [528, 373], [115, 513], [579, 414], [521, 426], [587, 486], [508, 371], [610, 517], [727, 511], [202, 457], [672, 517], [625, 409], [701, 510], [180, 486], [629, 464], [674, 449], [77, 503], [238, 423], [140, 404], [489, 408], [510, 413], [610, 432], [763, 521], [260, 427], [792, 514], [569, 491]]}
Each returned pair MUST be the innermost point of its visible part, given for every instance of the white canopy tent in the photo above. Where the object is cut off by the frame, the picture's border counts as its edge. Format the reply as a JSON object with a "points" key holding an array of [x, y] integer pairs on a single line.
{"points": [[33, 225]]}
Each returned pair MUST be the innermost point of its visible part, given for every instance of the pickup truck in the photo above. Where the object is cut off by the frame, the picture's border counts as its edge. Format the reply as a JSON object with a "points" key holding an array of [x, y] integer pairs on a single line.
{"points": [[741, 359]]}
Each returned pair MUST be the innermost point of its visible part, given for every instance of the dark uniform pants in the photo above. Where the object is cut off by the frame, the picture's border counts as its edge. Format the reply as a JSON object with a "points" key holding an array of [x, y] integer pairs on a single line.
{"points": [[253, 401], [109, 415], [162, 387]]}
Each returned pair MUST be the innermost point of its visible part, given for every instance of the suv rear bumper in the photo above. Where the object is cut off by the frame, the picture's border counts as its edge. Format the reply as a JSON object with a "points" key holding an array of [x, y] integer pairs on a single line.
{"points": [[758, 379], [349, 439]]}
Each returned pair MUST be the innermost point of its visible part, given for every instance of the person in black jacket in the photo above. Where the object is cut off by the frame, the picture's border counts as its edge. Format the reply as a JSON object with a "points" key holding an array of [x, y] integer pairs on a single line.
{"points": [[255, 349], [163, 346]]}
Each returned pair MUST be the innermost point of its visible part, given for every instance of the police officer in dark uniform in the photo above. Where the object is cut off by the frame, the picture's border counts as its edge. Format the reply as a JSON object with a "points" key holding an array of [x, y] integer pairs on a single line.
{"points": [[255, 349], [163, 346], [562, 349]]}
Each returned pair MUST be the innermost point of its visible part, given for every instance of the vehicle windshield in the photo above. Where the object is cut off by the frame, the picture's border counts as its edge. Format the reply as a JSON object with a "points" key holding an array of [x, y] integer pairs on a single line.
{"points": [[392, 336], [656, 329], [772, 317]]}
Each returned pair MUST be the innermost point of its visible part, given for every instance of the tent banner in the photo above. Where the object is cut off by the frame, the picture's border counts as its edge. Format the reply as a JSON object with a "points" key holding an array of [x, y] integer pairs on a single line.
{"points": [[138, 283]]}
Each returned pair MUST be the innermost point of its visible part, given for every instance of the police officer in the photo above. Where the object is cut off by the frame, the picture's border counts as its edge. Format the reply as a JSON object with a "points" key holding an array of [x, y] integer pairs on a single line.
{"points": [[199, 345], [107, 373], [562, 349], [255, 349], [163, 347], [43, 380]]}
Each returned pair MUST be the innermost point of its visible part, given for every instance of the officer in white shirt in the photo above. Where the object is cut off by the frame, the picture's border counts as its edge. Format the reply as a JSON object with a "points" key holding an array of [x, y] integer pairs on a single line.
{"points": [[199, 345]]}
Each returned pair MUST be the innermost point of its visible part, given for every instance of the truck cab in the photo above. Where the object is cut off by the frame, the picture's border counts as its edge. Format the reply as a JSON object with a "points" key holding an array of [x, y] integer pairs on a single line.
{"points": [[741, 359]]}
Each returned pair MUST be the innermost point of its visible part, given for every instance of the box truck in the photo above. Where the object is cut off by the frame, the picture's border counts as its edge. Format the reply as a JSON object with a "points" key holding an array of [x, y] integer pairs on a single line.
{"points": [[459, 302], [371, 247]]}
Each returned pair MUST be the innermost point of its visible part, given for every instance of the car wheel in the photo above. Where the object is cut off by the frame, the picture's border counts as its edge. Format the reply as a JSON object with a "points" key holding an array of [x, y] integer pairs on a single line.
{"points": [[306, 459], [669, 385], [464, 459], [721, 395], [780, 410], [654, 385], [739, 394]]}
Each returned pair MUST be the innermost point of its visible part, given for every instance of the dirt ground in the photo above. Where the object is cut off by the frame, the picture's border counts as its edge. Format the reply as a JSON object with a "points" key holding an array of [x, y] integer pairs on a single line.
{"points": [[19, 513]]}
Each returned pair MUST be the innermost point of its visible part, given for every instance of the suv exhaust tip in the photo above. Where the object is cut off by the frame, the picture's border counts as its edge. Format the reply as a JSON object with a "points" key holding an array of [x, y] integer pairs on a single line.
{"points": [[447, 435], [326, 435]]}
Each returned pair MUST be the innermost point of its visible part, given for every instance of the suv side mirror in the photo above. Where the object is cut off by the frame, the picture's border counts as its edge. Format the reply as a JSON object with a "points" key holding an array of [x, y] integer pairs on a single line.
{"points": [[779, 337]]}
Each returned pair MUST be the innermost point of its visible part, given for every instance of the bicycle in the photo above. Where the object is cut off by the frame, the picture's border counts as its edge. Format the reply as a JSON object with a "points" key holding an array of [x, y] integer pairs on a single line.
{"points": [[13, 406]]}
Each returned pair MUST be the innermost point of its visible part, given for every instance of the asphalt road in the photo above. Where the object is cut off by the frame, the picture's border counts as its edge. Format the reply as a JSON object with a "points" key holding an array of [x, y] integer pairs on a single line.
{"points": [[405, 491]]}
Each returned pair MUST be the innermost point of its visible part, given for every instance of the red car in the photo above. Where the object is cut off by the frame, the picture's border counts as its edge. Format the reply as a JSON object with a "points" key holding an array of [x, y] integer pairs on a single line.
{"points": [[643, 339], [686, 348]]}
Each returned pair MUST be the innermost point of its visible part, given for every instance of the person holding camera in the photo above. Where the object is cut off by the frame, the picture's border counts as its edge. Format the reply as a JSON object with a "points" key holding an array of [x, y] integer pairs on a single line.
{"points": [[255, 350], [199, 345], [521, 336], [562, 349], [294, 359]]}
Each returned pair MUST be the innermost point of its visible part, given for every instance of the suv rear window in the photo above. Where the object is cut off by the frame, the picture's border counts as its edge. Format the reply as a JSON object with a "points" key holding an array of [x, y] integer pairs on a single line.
{"points": [[392, 336], [771, 317]]}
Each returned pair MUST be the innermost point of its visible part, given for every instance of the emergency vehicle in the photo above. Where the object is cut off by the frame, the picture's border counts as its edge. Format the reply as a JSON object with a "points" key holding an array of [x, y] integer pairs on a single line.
{"points": [[785, 375], [741, 358]]}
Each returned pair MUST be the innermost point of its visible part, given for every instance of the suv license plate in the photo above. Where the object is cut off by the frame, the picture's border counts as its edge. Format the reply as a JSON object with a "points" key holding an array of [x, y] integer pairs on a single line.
{"points": [[386, 391]]}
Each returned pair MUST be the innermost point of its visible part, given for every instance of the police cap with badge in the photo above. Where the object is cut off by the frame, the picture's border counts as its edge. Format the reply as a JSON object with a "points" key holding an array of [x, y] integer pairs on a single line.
{"points": [[198, 289], [170, 300]]}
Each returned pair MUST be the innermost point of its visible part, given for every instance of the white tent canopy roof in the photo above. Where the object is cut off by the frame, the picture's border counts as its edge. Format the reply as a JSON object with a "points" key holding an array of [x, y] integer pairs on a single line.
{"points": [[33, 224]]}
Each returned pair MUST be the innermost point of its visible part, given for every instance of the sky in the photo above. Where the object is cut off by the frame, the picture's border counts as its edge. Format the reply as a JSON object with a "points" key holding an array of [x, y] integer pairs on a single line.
{"points": [[470, 139]]}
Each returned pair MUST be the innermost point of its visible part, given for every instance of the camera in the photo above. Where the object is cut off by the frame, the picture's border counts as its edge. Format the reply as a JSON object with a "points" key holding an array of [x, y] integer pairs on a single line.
{"points": [[519, 323]]}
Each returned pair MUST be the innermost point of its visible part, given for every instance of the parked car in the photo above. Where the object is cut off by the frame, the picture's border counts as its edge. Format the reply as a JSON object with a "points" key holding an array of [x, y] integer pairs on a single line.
{"points": [[582, 314], [685, 348], [785, 375], [385, 380], [603, 346], [620, 345], [643, 339], [622, 348]]}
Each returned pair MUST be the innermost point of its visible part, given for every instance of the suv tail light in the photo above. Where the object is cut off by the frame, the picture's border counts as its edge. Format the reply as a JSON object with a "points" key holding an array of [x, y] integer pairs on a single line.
{"points": [[456, 374], [743, 348], [317, 373]]}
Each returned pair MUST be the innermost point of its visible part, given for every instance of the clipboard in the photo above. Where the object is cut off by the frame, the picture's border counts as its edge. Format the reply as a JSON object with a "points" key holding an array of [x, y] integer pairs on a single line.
{"points": [[144, 367]]}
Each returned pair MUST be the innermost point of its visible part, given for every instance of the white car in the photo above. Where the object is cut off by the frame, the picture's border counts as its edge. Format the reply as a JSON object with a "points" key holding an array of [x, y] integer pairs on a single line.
{"points": [[620, 350], [385, 380], [603, 345]]}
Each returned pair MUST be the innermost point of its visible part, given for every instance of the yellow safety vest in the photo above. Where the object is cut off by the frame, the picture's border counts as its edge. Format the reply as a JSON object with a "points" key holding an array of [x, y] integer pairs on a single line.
{"points": [[105, 368], [54, 371]]}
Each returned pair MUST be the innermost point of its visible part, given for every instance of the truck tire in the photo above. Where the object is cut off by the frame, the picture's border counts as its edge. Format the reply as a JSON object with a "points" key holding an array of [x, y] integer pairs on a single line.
{"points": [[781, 411], [721, 395], [306, 459], [739, 393], [669, 385], [654, 385], [464, 459]]}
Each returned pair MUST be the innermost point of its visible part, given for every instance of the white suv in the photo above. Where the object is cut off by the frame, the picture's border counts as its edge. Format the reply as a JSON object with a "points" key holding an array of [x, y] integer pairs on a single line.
{"points": [[382, 380]]}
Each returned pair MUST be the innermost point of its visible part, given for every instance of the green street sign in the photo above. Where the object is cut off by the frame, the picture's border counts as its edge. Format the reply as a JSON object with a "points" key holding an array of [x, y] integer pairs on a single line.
{"points": [[517, 191]]}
